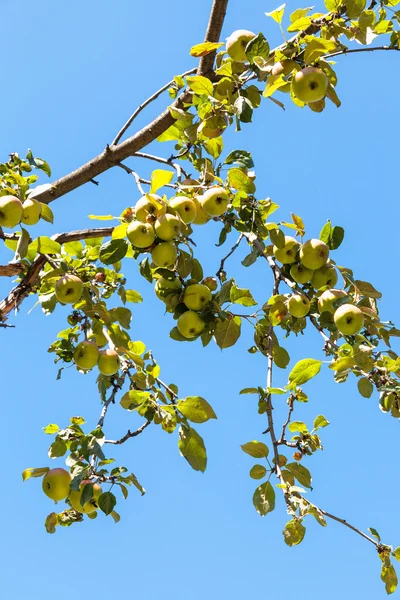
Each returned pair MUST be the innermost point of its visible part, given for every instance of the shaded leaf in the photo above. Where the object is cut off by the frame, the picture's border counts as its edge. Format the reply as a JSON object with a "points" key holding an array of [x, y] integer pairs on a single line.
{"points": [[294, 533], [264, 499], [191, 446], [106, 502]]}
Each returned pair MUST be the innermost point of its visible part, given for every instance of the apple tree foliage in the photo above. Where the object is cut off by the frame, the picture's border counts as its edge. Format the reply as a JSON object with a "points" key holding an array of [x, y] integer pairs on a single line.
{"points": [[222, 93]]}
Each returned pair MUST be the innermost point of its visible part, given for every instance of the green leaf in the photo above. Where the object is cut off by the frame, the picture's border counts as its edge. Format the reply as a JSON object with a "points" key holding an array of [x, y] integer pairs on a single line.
{"points": [[258, 46], [196, 409], [303, 371], [365, 387], [115, 516], [136, 483], [38, 163], [133, 296], [51, 429], [277, 14], [317, 47], [294, 533], [134, 398], [299, 13], [255, 449], [47, 213], [333, 5], [28, 473], [332, 236], [264, 499], [57, 449], [389, 577], [22, 246], [227, 332], [277, 237], [240, 181], [240, 157], [45, 245], [101, 217], [354, 8], [258, 472], [298, 426], [375, 533], [106, 502], [185, 264], [241, 296], [204, 48], [302, 474], [280, 357], [320, 422], [113, 251], [249, 391], [191, 446], [200, 85], [244, 109], [159, 178], [396, 553]]}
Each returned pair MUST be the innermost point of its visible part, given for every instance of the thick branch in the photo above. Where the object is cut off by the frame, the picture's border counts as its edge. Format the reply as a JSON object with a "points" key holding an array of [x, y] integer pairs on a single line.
{"points": [[11, 270]]}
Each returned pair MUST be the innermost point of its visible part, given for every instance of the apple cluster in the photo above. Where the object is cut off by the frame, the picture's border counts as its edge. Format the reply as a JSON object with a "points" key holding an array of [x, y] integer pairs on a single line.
{"points": [[56, 485], [310, 266], [13, 211]]}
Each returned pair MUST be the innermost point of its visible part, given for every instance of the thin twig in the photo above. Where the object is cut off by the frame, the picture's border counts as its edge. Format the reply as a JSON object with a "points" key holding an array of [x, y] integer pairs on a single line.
{"points": [[232, 250], [354, 50], [166, 161], [140, 180], [286, 423], [111, 400], [346, 524], [129, 434]]}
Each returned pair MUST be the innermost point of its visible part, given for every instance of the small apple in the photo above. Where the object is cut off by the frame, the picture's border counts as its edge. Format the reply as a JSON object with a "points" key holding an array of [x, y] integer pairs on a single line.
{"points": [[86, 355], [211, 283], [149, 205], [167, 227], [55, 484], [164, 254], [190, 324], [236, 44], [98, 338], [310, 84], [349, 319], [201, 216], [165, 287], [90, 506], [10, 211], [140, 235], [197, 296], [215, 201], [32, 210], [287, 254], [68, 289], [108, 363], [300, 274], [327, 299], [185, 207], [314, 254], [325, 276], [298, 305]]}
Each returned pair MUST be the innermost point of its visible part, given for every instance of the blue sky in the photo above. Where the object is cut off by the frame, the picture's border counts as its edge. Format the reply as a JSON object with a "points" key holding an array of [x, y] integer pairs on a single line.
{"points": [[74, 73]]}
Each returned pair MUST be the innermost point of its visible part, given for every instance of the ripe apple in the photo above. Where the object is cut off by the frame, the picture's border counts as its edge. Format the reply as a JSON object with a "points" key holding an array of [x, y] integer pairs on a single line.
{"points": [[164, 254], [215, 201], [91, 505], [98, 338], [190, 324], [140, 235], [314, 254], [201, 216], [349, 319], [197, 296], [326, 300], [236, 44], [310, 84], [165, 287], [55, 484], [287, 254], [108, 362], [185, 207], [10, 211], [300, 274], [149, 205], [325, 276], [167, 227], [68, 289], [86, 355], [298, 305], [32, 210]]}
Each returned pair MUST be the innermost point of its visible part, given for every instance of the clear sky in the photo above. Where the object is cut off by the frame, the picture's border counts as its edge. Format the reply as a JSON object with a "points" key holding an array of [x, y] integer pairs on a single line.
{"points": [[72, 73]]}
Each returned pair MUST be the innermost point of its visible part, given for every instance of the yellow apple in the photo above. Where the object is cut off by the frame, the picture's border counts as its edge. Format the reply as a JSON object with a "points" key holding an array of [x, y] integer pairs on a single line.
{"points": [[10, 211], [215, 201], [190, 324], [314, 254], [164, 254], [327, 299], [68, 289], [55, 484], [287, 254], [109, 362], [300, 274], [185, 207], [91, 505], [197, 296], [325, 276], [310, 84], [32, 210], [86, 355], [201, 216], [298, 305], [149, 205], [167, 227], [140, 235], [349, 319], [236, 44]]}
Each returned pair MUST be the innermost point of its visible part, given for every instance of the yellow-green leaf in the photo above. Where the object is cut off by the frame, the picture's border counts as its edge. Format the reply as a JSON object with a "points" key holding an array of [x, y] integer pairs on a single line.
{"points": [[204, 48], [159, 178], [303, 371], [200, 85], [277, 14]]}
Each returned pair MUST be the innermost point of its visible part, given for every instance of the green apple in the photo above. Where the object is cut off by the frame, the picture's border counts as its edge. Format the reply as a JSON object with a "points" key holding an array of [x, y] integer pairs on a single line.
{"points": [[201, 216], [197, 296], [149, 205], [68, 289], [108, 363], [190, 324], [325, 276], [298, 305], [164, 254], [287, 254], [76, 495], [349, 319], [236, 44], [55, 484], [98, 338], [86, 355], [185, 207], [310, 84], [327, 299], [167, 227], [140, 235], [10, 211], [215, 201], [32, 210], [165, 287], [300, 274], [314, 254]]}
